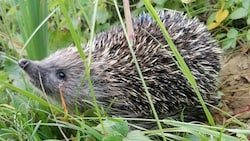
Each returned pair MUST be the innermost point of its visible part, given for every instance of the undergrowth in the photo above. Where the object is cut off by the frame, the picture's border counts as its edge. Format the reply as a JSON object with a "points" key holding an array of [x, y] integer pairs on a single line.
{"points": [[26, 115]]}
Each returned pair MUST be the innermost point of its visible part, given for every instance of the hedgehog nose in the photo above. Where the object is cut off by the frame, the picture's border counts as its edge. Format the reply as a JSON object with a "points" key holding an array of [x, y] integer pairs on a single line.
{"points": [[23, 63]]}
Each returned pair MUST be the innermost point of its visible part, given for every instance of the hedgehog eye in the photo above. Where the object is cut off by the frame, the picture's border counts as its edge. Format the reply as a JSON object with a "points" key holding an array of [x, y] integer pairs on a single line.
{"points": [[60, 74]]}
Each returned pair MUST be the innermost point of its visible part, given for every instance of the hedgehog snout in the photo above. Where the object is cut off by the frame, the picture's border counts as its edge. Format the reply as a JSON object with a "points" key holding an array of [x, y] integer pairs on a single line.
{"points": [[23, 63]]}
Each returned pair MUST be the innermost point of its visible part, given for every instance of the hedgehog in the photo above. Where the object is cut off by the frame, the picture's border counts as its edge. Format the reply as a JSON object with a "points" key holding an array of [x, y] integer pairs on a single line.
{"points": [[116, 83]]}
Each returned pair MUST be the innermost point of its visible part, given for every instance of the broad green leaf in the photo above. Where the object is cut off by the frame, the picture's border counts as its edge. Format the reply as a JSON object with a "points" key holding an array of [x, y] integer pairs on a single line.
{"points": [[220, 36], [102, 14], [117, 130], [246, 4], [59, 39], [113, 138], [238, 13], [229, 4], [136, 135], [229, 43], [114, 127], [122, 127], [232, 33]]}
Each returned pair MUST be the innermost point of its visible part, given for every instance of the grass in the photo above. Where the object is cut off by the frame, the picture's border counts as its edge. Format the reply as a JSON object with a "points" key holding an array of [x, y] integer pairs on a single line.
{"points": [[31, 15], [130, 45], [25, 115]]}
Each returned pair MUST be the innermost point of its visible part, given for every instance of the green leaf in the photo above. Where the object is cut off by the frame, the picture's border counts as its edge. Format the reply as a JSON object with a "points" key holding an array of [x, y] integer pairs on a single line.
{"points": [[211, 18], [13, 71], [248, 20], [122, 127], [229, 43], [220, 36], [136, 135], [59, 39], [246, 4], [159, 2], [248, 35], [113, 138], [115, 127], [229, 4], [102, 14], [117, 130], [232, 33], [238, 13]]}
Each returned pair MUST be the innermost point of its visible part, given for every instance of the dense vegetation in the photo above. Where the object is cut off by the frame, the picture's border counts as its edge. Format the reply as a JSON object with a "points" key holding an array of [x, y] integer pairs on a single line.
{"points": [[36, 28]]}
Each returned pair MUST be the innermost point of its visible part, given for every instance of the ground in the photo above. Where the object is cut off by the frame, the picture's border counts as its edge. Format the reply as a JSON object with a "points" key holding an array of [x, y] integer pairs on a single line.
{"points": [[235, 86]]}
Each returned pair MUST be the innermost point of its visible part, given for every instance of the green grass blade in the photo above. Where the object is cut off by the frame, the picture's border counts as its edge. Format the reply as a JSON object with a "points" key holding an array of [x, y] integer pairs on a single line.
{"points": [[181, 63], [38, 28], [28, 94], [83, 56], [130, 45], [31, 14], [204, 129]]}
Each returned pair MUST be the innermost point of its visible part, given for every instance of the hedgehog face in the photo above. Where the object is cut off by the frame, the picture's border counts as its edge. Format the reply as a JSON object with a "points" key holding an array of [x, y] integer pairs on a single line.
{"points": [[60, 71]]}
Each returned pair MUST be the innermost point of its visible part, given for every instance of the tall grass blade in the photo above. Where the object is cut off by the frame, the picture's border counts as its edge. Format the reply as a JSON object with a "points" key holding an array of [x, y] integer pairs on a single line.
{"points": [[28, 94], [181, 63], [82, 54], [31, 14], [130, 45]]}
